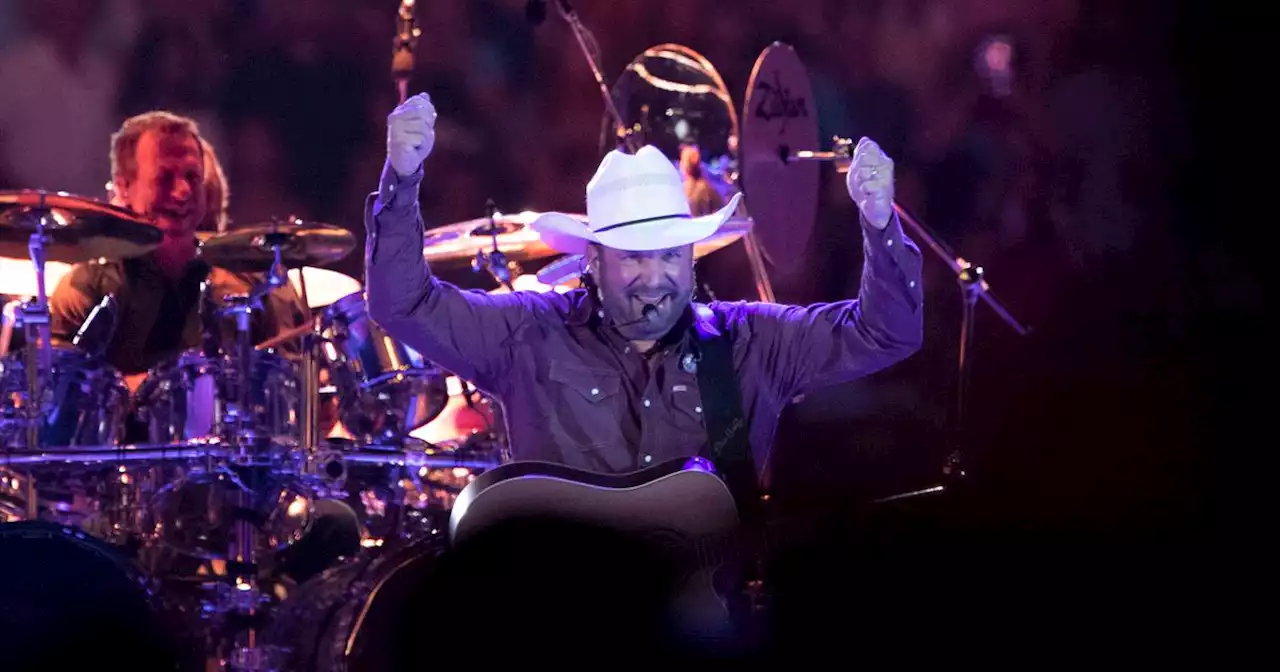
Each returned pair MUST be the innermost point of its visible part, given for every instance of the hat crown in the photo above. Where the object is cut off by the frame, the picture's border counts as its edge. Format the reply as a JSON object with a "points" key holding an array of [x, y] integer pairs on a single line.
{"points": [[635, 187]]}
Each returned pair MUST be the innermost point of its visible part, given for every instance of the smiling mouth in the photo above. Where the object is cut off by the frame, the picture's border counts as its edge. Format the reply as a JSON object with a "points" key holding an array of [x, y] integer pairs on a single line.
{"points": [[655, 301]]}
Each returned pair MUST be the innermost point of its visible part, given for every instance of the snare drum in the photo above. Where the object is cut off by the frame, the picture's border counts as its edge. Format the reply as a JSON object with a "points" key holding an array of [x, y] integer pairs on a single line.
{"points": [[87, 402], [385, 389], [190, 399]]}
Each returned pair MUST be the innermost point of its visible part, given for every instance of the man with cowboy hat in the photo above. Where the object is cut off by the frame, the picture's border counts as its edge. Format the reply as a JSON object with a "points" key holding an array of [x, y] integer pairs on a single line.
{"points": [[605, 378], [628, 372]]}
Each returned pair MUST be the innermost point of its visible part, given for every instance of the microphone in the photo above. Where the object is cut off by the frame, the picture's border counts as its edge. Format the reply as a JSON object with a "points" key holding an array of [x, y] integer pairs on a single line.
{"points": [[647, 312], [535, 11]]}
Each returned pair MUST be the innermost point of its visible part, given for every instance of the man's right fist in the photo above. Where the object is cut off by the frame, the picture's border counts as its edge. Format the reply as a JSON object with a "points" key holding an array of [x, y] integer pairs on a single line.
{"points": [[411, 133]]}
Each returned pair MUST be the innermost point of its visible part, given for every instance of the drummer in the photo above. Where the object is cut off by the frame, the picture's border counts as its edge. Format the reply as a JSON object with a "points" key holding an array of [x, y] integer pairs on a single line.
{"points": [[163, 169]]}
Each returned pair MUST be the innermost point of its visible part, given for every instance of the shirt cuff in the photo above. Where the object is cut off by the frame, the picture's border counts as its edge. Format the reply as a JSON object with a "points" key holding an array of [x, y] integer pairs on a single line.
{"points": [[396, 193], [890, 238], [893, 246]]}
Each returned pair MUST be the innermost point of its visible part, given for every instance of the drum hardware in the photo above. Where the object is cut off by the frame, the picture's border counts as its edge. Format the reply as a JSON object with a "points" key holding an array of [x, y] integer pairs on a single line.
{"points": [[495, 263], [65, 228]]}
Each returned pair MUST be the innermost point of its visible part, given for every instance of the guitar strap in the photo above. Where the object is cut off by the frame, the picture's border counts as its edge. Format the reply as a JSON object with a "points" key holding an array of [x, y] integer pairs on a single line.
{"points": [[728, 445]]}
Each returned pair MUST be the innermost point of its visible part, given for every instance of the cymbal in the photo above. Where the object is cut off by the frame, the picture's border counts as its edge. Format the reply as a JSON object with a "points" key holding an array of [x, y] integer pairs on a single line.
{"points": [[78, 228], [458, 243], [779, 118], [18, 277], [569, 267], [323, 285], [249, 248]]}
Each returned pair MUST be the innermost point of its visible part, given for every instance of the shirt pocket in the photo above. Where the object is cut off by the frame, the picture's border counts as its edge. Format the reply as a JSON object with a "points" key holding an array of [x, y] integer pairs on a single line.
{"points": [[586, 404], [685, 400]]}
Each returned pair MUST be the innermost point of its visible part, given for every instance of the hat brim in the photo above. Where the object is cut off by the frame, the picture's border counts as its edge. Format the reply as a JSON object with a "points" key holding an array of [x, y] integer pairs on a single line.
{"points": [[570, 235]]}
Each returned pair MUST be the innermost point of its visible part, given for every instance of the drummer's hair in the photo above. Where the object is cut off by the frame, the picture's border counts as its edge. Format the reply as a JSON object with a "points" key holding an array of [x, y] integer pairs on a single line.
{"points": [[124, 142], [218, 198]]}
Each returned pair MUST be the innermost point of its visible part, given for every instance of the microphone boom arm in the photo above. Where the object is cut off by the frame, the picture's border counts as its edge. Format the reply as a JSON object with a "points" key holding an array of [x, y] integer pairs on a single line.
{"points": [[626, 139]]}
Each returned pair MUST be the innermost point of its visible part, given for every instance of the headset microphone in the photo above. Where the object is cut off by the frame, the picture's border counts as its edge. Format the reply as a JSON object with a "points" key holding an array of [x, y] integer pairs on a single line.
{"points": [[648, 311]]}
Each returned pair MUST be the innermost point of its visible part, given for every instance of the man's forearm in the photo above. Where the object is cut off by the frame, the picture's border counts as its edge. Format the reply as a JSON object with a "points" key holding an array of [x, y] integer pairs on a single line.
{"points": [[396, 273]]}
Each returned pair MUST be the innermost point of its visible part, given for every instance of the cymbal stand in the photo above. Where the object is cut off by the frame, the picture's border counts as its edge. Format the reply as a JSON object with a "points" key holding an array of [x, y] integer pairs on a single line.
{"points": [[495, 262], [255, 461], [39, 347], [310, 373]]}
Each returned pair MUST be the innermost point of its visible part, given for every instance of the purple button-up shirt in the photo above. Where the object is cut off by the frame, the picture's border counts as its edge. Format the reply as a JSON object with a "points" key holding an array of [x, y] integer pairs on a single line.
{"points": [[574, 391]]}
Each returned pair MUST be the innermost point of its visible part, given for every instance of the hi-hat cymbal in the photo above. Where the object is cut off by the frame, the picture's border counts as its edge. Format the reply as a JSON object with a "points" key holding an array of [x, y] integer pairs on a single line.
{"points": [[323, 285], [250, 249], [77, 228], [778, 119], [457, 244], [569, 267]]}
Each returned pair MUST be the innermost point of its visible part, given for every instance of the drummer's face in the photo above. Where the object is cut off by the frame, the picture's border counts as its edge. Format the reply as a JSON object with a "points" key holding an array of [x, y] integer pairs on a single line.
{"points": [[629, 281], [169, 185]]}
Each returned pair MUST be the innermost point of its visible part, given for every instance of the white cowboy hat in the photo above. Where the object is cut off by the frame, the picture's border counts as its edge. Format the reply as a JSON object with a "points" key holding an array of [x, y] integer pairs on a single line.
{"points": [[634, 202]]}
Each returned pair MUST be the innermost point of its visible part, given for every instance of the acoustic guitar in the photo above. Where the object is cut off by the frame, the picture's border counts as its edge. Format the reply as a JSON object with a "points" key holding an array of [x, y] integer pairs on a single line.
{"points": [[681, 508]]}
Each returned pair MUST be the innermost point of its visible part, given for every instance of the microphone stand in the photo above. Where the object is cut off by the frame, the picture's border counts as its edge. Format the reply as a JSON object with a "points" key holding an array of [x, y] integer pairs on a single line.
{"points": [[973, 287], [627, 141]]}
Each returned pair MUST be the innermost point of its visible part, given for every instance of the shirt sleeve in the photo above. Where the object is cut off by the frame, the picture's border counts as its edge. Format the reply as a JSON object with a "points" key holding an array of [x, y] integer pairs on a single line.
{"points": [[801, 348], [468, 332]]}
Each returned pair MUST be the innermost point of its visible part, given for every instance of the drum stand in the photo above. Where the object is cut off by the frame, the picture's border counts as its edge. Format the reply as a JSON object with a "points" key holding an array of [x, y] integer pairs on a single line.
{"points": [[254, 455], [39, 351]]}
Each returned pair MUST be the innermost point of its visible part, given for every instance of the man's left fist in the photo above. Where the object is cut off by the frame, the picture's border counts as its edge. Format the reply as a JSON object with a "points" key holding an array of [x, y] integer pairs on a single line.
{"points": [[870, 182]]}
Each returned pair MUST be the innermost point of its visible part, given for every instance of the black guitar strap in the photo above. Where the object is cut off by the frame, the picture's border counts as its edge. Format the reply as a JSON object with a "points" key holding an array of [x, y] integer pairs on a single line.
{"points": [[728, 445]]}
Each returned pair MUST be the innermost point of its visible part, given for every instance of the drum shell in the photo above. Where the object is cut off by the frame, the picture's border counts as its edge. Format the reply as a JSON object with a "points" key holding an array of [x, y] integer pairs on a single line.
{"points": [[188, 399], [385, 388], [70, 598], [356, 616], [87, 401]]}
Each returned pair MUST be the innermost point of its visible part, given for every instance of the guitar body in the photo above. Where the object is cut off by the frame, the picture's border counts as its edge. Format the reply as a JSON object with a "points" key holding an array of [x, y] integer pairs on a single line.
{"points": [[674, 508]]}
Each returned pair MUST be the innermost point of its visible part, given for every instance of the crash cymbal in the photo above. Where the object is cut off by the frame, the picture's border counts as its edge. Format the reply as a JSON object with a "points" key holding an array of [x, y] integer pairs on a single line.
{"points": [[18, 277], [77, 228], [250, 248], [323, 285], [778, 119], [568, 268], [457, 244]]}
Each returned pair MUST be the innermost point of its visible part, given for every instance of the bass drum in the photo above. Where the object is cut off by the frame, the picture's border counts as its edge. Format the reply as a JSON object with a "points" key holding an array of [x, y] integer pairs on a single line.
{"points": [[69, 599], [366, 614]]}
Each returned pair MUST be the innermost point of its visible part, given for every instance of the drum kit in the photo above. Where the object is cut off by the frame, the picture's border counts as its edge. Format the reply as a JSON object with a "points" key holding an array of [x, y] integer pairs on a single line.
{"points": [[228, 475]]}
